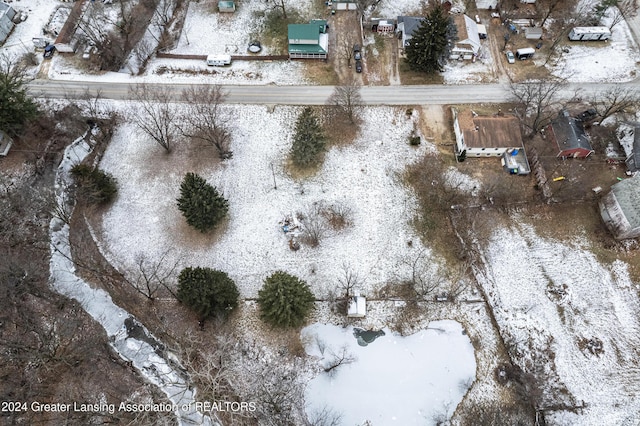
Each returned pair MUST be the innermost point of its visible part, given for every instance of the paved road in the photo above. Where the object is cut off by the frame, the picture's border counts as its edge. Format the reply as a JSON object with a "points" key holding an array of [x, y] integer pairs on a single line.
{"points": [[318, 95]]}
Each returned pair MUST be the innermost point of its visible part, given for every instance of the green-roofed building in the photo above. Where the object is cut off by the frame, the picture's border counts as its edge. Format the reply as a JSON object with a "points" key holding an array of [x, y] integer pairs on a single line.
{"points": [[308, 41], [228, 6], [620, 209]]}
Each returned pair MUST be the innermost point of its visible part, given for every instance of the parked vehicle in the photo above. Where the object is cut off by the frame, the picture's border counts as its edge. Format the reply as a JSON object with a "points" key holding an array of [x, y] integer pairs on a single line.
{"points": [[510, 58], [49, 51], [218, 60], [357, 54], [358, 66], [88, 51], [525, 53]]}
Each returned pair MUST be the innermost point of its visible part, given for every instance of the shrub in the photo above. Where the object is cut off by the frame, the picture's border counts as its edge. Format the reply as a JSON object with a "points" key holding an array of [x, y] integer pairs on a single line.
{"points": [[285, 300], [207, 291], [94, 185], [200, 203], [414, 140]]}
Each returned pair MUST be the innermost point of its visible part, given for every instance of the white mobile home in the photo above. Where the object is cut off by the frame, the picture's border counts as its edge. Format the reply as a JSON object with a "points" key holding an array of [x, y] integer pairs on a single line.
{"points": [[589, 33], [218, 60]]}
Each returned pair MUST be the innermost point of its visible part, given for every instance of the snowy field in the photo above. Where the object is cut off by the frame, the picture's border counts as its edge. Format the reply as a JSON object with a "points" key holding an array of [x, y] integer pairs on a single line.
{"points": [[414, 380], [571, 320], [363, 176]]}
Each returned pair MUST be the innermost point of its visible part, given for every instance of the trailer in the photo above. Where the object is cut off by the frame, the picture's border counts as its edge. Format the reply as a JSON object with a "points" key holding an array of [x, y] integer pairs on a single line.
{"points": [[525, 53], [589, 34], [218, 60]]}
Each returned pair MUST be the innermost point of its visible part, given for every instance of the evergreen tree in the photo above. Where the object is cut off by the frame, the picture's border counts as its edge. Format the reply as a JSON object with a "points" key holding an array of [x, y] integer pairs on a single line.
{"points": [[200, 203], [94, 185], [17, 107], [207, 291], [429, 47], [285, 300], [308, 141]]}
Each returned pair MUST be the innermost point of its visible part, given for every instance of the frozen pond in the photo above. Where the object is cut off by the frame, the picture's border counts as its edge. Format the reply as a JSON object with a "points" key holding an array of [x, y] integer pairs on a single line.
{"points": [[412, 380]]}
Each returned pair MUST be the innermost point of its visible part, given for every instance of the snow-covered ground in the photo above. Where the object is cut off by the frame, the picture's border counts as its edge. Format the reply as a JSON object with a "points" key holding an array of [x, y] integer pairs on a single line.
{"points": [[555, 303], [364, 177], [412, 380]]}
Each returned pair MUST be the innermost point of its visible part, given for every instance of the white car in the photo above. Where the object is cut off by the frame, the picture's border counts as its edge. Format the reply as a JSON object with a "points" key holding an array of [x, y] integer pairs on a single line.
{"points": [[510, 58]]}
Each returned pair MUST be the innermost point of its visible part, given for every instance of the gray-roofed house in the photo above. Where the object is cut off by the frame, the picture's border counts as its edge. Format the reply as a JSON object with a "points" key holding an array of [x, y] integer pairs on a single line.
{"points": [[467, 45], [620, 209], [407, 25], [569, 135], [633, 159], [308, 41], [7, 14]]}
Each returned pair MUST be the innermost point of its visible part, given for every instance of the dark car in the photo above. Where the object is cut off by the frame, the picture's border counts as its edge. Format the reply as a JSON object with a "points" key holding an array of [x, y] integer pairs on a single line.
{"points": [[49, 51], [357, 54], [588, 115], [358, 66]]}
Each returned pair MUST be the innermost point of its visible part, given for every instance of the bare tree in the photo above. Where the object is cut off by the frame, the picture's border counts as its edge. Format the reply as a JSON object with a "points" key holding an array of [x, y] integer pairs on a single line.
{"points": [[154, 275], [274, 383], [537, 102], [346, 101], [342, 357], [154, 115], [313, 224], [281, 5], [324, 416], [616, 16], [553, 7], [346, 50], [203, 118], [349, 281], [422, 280], [614, 99]]}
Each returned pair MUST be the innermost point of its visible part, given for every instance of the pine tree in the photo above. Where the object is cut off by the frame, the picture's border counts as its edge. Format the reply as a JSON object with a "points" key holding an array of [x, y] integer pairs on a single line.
{"points": [[94, 185], [207, 291], [429, 47], [285, 300], [17, 106], [308, 141], [200, 203]]}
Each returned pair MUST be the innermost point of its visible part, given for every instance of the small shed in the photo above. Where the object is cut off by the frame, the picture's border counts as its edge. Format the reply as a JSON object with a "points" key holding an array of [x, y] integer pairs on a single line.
{"points": [[226, 6], [357, 307], [532, 33], [5, 144], [620, 209]]}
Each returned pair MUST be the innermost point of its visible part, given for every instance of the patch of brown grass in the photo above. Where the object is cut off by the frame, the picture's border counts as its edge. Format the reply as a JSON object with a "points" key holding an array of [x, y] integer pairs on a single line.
{"points": [[409, 77], [320, 72]]}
